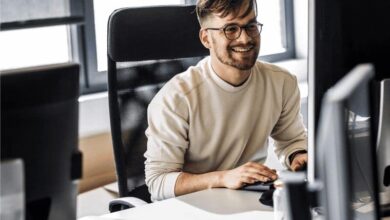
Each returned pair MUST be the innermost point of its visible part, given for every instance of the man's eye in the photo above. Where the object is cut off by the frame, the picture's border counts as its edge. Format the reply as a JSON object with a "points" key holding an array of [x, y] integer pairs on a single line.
{"points": [[251, 26], [231, 29]]}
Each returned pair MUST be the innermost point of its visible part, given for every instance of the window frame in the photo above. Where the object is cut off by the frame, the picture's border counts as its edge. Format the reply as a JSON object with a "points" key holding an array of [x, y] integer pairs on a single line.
{"points": [[85, 51]]}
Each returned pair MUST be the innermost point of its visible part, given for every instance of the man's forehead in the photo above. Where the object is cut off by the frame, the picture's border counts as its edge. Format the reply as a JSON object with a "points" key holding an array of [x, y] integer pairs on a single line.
{"points": [[231, 17]]}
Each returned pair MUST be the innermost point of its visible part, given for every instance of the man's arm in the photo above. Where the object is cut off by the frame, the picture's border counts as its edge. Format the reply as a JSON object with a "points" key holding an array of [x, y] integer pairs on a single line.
{"points": [[289, 132], [248, 173], [167, 144]]}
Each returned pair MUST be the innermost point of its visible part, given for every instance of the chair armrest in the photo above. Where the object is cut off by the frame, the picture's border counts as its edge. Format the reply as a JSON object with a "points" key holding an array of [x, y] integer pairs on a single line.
{"points": [[125, 203]]}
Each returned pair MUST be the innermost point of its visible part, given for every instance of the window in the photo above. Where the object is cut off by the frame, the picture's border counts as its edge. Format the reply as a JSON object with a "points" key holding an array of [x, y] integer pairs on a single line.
{"points": [[277, 41], [277, 35], [271, 42], [34, 46], [84, 40]]}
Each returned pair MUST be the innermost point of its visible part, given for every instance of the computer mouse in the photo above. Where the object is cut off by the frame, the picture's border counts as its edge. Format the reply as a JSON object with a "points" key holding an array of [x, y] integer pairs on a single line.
{"points": [[267, 197], [258, 186]]}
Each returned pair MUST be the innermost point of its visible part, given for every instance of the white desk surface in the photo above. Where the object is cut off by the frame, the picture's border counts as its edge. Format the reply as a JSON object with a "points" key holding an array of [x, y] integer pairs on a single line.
{"points": [[206, 204], [94, 202]]}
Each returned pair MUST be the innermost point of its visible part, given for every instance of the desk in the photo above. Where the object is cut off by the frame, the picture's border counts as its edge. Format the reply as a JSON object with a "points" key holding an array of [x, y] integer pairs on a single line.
{"points": [[207, 204], [94, 202]]}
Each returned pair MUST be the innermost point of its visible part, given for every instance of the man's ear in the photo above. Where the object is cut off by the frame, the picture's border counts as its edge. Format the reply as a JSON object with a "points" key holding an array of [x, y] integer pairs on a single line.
{"points": [[204, 38]]}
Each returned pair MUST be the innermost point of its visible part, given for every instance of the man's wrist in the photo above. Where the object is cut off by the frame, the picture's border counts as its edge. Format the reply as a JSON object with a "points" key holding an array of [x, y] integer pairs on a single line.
{"points": [[293, 155], [219, 179]]}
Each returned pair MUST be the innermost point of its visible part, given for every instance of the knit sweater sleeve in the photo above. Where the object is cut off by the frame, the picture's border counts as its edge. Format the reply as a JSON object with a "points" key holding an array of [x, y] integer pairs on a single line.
{"points": [[167, 143], [289, 133]]}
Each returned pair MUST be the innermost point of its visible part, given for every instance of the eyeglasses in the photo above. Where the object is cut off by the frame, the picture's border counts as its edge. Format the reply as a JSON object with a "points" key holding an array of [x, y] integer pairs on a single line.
{"points": [[233, 31]]}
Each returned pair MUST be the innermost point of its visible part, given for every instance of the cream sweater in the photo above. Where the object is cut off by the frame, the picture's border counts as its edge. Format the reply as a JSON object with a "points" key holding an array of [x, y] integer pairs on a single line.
{"points": [[198, 123]]}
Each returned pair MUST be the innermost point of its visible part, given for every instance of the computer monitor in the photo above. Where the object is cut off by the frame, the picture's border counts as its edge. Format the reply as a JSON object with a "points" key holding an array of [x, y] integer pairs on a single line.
{"points": [[383, 140], [39, 124], [342, 34], [345, 150]]}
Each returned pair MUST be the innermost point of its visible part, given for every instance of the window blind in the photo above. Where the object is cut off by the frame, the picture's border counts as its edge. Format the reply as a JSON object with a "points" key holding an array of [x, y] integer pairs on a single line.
{"points": [[36, 13]]}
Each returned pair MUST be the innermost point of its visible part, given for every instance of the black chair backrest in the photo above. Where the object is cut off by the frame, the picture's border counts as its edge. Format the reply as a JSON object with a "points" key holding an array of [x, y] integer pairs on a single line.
{"points": [[169, 35]]}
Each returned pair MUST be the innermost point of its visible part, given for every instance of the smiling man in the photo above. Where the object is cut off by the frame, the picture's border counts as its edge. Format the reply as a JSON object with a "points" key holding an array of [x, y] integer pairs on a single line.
{"points": [[209, 126]]}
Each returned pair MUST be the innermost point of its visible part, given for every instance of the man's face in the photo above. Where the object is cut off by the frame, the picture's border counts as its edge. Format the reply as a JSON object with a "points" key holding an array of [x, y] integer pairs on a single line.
{"points": [[240, 53]]}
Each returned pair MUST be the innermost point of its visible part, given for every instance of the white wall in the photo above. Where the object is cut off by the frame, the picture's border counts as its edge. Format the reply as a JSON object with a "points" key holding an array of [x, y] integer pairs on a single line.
{"points": [[94, 117]]}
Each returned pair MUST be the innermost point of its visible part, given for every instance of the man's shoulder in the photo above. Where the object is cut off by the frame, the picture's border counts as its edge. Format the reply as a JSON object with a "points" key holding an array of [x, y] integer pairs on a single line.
{"points": [[274, 71], [179, 86], [188, 80]]}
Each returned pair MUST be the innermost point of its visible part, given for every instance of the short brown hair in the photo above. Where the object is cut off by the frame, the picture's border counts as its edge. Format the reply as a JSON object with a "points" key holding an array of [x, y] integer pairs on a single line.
{"points": [[204, 8]]}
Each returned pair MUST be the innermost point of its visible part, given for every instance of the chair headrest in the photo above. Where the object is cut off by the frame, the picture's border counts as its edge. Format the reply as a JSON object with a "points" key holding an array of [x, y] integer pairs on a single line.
{"points": [[150, 33]]}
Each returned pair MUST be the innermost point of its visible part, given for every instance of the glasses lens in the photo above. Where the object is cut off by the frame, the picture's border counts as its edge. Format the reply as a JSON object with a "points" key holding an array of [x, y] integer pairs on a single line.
{"points": [[253, 29], [232, 31]]}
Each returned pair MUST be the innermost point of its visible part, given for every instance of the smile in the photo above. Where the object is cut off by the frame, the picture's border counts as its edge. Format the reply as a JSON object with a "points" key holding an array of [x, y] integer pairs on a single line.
{"points": [[242, 49]]}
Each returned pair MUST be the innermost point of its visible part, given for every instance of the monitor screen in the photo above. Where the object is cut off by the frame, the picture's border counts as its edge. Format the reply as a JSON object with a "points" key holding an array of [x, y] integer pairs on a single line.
{"points": [[345, 155]]}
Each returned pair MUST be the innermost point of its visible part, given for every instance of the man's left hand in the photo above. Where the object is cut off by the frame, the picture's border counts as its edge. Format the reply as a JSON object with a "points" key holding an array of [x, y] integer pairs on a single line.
{"points": [[298, 161]]}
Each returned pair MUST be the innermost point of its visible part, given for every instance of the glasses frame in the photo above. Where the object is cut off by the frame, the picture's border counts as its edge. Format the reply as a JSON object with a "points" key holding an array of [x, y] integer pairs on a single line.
{"points": [[241, 27]]}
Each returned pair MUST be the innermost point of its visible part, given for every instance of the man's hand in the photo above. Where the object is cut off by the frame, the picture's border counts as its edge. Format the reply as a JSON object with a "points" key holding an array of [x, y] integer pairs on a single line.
{"points": [[248, 173], [299, 160]]}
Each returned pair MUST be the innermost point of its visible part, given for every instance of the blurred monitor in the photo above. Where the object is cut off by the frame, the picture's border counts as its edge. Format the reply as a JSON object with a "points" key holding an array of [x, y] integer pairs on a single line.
{"points": [[345, 149], [383, 141], [343, 34], [39, 124]]}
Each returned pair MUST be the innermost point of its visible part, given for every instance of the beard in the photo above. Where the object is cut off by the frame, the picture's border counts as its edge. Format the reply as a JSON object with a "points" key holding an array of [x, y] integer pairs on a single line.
{"points": [[238, 60]]}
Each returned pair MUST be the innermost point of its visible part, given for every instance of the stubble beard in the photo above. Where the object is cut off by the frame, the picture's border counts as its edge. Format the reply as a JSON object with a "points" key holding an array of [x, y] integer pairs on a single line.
{"points": [[226, 57]]}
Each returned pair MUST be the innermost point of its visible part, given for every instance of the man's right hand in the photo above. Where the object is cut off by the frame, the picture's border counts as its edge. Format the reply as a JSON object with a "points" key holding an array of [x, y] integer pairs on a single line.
{"points": [[248, 173]]}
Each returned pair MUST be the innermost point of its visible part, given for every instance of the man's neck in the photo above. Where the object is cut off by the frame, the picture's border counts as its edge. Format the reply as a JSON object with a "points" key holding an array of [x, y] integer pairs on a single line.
{"points": [[229, 74]]}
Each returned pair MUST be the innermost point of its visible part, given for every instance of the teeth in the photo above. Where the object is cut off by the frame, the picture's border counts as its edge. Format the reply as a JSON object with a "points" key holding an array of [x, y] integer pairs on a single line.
{"points": [[242, 49]]}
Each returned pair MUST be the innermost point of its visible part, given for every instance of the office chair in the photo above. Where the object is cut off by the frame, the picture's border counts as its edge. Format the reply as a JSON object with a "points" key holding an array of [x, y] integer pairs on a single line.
{"points": [[167, 38]]}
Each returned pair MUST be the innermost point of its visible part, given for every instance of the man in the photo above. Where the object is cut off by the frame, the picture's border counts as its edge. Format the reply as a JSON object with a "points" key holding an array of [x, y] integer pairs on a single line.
{"points": [[206, 124]]}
